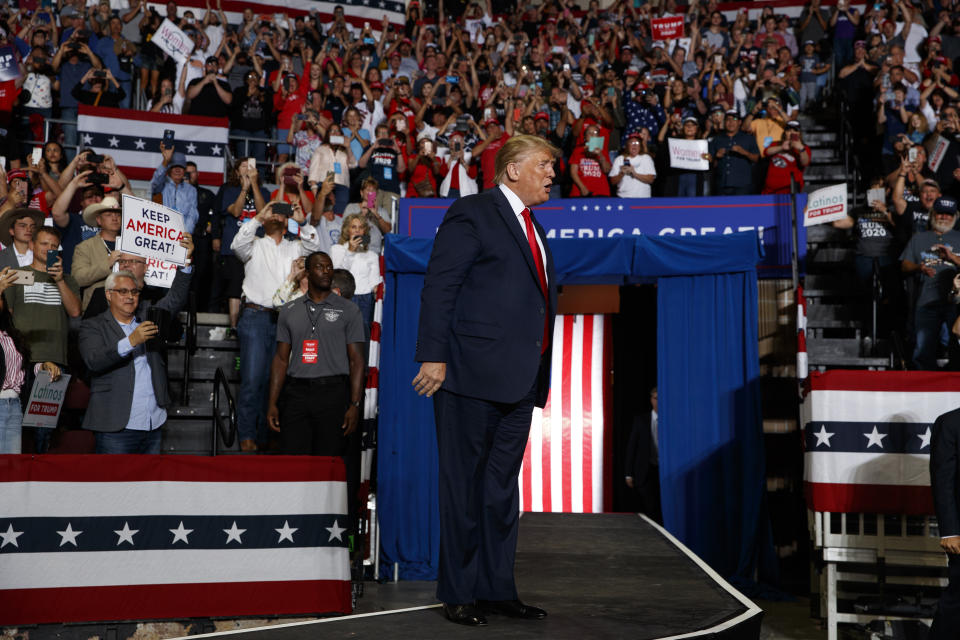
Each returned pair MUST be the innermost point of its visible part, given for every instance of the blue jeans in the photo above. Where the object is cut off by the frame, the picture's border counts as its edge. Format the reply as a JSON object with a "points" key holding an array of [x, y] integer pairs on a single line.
{"points": [[11, 431], [928, 323], [365, 301], [257, 332], [283, 147], [256, 150], [687, 185], [69, 130], [341, 198], [129, 441]]}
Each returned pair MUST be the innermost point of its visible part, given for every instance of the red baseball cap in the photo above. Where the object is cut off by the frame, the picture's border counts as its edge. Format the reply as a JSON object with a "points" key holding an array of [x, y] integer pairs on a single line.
{"points": [[16, 173]]}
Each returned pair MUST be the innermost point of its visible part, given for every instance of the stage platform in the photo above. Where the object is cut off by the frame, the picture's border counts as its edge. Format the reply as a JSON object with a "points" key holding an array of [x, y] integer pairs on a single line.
{"points": [[597, 575]]}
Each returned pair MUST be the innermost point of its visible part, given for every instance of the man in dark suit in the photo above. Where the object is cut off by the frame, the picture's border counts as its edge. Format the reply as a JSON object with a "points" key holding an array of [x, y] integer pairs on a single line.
{"points": [[128, 386], [486, 317], [642, 462], [945, 482]]}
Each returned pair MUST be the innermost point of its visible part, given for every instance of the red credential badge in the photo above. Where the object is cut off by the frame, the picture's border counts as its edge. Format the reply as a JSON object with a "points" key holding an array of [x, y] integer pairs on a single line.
{"points": [[309, 352]]}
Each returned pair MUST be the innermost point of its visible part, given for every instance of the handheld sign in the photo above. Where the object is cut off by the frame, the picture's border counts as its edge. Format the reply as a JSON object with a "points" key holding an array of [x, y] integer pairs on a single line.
{"points": [[157, 274], [9, 67], [172, 40], [688, 154], [826, 205], [151, 230], [666, 28], [46, 400]]}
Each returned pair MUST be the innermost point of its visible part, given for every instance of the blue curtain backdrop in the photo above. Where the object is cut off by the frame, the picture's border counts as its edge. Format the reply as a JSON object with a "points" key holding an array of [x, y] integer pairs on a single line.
{"points": [[711, 463], [710, 436]]}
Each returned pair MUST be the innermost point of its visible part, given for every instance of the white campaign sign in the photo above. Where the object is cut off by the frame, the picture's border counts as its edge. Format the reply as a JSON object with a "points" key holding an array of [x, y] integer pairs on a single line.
{"points": [[172, 40], [151, 230], [158, 273], [46, 400], [826, 205], [688, 154]]}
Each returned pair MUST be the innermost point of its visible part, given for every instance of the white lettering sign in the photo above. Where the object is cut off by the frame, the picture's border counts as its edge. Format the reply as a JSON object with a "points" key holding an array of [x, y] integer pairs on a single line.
{"points": [[826, 205], [151, 230], [688, 154], [46, 400], [172, 40]]}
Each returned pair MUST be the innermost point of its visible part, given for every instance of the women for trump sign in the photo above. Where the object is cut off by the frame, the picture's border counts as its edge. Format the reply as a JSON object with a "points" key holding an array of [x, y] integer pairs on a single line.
{"points": [[152, 230]]}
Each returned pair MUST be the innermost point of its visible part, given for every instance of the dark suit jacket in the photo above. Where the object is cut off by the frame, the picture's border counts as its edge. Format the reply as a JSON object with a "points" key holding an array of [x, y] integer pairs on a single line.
{"points": [[945, 472], [639, 445], [112, 376], [8, 258], [482, 309]]}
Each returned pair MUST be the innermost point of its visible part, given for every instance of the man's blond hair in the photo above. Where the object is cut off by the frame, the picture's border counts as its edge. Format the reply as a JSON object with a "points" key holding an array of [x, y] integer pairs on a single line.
{"points": [[516, 149]]}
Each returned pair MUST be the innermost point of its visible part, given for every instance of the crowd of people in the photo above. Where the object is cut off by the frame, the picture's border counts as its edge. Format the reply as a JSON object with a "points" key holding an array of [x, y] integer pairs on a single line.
{"points": [[895, 68], [331, 121]]}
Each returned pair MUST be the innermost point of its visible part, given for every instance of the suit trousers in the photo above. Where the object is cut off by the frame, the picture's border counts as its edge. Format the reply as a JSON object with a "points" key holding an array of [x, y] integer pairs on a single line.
{"points": [[481, 445], [946, 622]]}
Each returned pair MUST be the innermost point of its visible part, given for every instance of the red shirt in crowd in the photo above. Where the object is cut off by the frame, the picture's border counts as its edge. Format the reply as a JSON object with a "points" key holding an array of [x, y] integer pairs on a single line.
{"points": [[783, 164], [488, 160], [590, 173]]}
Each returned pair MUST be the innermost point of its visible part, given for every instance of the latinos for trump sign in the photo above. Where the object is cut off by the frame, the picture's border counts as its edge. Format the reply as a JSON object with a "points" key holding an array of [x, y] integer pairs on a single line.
{"points": [[688, 154], [667, 28], [46, 400], [152, 230], [172, 40], [826, 205], [153, 537]]}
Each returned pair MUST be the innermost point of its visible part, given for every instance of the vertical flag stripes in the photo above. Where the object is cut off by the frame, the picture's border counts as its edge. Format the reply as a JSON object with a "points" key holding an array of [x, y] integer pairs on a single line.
{"points": [[563, 465]]}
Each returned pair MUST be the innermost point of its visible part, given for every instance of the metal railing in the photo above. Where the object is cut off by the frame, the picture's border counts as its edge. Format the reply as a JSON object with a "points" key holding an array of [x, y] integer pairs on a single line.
{"points": [[227, 433], [189, 348]]}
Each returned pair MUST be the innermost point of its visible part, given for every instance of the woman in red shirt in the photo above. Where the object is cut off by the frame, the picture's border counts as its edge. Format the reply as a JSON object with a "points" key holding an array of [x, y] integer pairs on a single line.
{"points": [[589, 169], [788, 157], [426, 171]]}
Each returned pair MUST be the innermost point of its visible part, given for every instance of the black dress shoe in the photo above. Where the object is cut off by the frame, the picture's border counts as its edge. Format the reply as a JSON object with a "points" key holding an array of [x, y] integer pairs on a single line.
{"points": [[464, 614], [512, 608]]}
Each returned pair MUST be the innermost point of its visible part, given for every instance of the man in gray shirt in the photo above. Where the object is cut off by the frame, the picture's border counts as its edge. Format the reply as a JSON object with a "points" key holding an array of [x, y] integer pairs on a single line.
{"points": [[933, 254], [316, 377]]}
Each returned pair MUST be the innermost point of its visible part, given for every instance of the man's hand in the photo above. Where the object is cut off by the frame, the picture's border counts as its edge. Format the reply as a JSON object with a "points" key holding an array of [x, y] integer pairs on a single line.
{"points": [[187, 243], [430, 378], [167, 154], [273, 418], [951, 544], [56, 271], [7, 277], [146, 330], [930, 272], [350, 420], [114, 256]]}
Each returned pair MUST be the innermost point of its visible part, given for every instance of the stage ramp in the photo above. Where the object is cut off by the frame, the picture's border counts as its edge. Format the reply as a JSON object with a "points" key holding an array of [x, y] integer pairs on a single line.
{"points": [[597, 575]]}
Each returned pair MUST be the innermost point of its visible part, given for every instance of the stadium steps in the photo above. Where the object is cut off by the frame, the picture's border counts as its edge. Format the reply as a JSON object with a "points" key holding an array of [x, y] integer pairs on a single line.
{"points": [[189, 428]]}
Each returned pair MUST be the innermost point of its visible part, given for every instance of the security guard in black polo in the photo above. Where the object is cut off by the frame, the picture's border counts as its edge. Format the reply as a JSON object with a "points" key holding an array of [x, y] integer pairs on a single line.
{"points": [[316, 378]]}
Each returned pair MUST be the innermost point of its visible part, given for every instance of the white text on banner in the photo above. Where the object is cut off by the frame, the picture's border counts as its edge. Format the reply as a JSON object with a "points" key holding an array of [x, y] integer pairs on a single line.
{"points": [[152, 230], [826, 205]]}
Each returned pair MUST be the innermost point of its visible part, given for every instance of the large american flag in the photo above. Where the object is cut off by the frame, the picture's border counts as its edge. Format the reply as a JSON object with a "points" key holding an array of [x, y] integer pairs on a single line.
{"points": [[867, 439], [133, 138], [566, 455], [87, 538], [356, 12]]}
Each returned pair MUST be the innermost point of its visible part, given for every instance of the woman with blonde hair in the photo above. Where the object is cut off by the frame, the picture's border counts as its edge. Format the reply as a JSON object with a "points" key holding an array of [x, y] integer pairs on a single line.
{"points": [[352, 253]]}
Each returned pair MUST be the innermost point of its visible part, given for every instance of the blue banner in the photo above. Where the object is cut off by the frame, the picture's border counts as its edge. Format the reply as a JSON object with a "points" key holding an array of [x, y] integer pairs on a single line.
{"points": [[769, 216]]}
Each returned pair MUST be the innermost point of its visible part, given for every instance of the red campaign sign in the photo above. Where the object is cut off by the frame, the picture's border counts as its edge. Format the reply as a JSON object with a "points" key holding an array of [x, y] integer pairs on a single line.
{"points": [[43, 408], [667, 28]]}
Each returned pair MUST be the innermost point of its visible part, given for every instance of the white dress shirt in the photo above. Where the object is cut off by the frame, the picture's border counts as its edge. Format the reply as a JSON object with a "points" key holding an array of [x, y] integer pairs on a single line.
{"points": [[517, 205], [267, 263], [363, 265]]}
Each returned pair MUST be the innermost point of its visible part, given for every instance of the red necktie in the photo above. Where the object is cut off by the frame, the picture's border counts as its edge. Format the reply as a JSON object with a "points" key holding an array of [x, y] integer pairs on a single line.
{"points": [[541, 273]]}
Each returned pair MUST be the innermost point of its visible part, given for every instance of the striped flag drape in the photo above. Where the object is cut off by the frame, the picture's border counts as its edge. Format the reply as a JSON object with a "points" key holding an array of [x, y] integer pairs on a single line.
{"points": [[564, 463], [133, 138], [171, 537]]}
